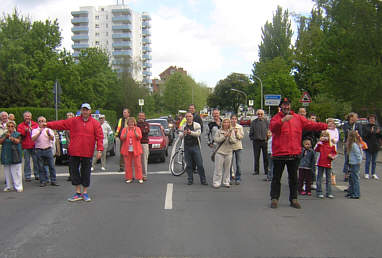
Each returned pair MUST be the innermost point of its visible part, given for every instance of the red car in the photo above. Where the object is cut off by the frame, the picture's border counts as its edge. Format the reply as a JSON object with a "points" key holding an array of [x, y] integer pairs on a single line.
{"points": [[158, 142], [245, 121]]}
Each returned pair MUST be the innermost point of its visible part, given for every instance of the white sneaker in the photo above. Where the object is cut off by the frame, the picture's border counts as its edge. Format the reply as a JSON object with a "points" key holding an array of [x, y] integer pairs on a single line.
{"points": [[92, 169], [20, 190], [313, 187], [375, 177], [103, 169], [366, 176], [6, 189]]}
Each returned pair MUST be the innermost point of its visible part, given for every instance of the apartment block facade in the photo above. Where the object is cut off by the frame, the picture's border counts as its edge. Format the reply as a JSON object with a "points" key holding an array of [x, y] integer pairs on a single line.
{"points": [[123, 33]]}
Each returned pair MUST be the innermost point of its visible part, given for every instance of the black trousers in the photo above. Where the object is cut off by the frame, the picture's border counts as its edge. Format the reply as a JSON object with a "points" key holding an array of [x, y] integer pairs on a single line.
{"points": [[80, 176], [260, 145], [278, 168]]}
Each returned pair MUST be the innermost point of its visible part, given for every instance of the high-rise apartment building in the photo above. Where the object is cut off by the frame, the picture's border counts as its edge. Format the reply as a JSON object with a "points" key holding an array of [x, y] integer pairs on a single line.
{"points": [[123, 33]]}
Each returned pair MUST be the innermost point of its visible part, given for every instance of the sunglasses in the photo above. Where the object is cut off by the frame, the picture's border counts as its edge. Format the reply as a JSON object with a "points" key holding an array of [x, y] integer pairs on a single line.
{"points": [[11, 126], [41, 121]]}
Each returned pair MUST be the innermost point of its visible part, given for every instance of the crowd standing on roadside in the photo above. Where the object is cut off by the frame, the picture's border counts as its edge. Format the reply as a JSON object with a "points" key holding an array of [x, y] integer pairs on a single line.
{"points": [[289, 140]]}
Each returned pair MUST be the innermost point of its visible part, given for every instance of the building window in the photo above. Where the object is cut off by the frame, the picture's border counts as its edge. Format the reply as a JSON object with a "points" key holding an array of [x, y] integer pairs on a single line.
{"points": [[107, 25], [107, 33], [97, 17], [107, 17], [97, 43], [97, 26], [102, 9]]}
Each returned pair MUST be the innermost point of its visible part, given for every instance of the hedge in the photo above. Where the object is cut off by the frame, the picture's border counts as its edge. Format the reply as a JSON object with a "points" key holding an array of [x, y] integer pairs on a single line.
{"points": [[50, 113]]}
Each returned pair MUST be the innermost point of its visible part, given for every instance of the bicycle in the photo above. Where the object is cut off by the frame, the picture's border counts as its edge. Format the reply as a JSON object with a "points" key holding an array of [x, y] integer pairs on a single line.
{"points": [[177, 165]]}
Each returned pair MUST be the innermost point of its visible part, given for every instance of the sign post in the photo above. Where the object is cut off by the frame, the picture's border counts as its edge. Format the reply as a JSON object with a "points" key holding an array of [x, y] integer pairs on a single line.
{"points": [[250, 102], [141, 102]]}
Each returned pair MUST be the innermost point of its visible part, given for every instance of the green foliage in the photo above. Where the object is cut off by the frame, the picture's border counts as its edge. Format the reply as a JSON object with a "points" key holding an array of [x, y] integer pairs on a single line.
{"points": [[324, 107]]}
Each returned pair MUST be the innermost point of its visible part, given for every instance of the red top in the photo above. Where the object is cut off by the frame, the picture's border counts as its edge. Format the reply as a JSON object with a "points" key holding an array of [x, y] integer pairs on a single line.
{"points": [[128, 138], [325, 149], [83, 135], [286, 136], [26, 136]]}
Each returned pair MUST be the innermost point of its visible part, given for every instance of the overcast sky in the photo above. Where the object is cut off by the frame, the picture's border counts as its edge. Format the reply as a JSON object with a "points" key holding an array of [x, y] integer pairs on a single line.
{"points": [[208, 38]]}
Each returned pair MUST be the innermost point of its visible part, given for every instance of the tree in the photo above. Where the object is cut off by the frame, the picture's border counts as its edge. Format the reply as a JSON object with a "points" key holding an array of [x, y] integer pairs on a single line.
{"points": [[178, 92]]}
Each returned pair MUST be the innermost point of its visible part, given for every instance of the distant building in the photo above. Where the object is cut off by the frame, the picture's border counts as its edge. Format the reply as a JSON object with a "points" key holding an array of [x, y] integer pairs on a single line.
{"points": [[156, 83], [123, 33]]}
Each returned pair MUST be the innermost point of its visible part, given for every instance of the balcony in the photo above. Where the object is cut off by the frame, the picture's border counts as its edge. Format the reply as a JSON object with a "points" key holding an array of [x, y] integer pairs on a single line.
{"points": [[80, 46], [146, 17], [80, 37], [146, 73], [147, 81], [80, 20], [78, 13], [146, 49], [146, 24], [122, 18], [146, 32], [76, 54], [122, 36], [122, 53], [146, 57], [122, 27], [146, 65], [121, 11], [120, 62], [122, 44], [146, 41], [80, 28]]}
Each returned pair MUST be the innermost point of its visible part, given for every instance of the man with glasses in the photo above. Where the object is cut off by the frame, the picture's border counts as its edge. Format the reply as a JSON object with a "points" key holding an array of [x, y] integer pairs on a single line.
{"points": [[43, 137], [25, 129], [258, 135]]}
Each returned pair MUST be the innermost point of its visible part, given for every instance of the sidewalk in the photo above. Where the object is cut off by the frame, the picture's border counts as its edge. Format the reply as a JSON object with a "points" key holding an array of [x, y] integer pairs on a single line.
{"points": [[341, 151]]}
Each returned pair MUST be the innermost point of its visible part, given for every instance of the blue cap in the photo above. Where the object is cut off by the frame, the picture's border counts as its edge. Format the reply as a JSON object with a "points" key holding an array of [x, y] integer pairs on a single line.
{"points": [[86, 105]]}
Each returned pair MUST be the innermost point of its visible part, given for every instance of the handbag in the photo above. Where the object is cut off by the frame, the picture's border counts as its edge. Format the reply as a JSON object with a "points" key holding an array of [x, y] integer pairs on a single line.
{"points": [[16, 155], [216, 150]]}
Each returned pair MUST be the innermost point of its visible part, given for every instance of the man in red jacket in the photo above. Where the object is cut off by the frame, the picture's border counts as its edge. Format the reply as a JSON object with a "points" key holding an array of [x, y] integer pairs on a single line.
{"points": [[25, 129], [85, 131], [287, 127]]}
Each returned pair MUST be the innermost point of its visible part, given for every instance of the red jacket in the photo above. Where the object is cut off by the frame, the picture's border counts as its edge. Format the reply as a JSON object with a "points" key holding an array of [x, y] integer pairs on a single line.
{"points": [[137, 147], [26, 136], [325, 149], [286, 136], [83, 135]]}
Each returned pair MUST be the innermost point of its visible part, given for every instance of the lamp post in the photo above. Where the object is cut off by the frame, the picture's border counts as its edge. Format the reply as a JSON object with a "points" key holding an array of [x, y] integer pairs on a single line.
{"points": [[242, 92], [261, 87]]}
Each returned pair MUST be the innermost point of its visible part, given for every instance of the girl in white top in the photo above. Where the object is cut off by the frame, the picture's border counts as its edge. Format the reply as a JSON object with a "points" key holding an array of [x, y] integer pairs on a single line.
{"points": [[225, 137], [333, 132]]}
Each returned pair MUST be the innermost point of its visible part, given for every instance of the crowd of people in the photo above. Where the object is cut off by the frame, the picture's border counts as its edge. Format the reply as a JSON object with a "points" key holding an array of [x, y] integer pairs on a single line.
{"points": [[306, 147]]}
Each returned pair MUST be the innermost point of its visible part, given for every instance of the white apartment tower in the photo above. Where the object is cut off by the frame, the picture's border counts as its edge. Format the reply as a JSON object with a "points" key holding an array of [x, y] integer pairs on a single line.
{"points": [[123, 33]]}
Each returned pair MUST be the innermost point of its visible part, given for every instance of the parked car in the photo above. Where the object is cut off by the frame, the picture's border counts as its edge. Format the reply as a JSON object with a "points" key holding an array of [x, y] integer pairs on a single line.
{"points": [[170, 132], [363, 121], [245, 121], [337, 122], [158, 142]]}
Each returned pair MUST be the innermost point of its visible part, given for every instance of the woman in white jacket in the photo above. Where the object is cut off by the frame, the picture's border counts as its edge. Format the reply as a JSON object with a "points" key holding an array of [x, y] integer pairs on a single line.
{"points": [[225, 138]]}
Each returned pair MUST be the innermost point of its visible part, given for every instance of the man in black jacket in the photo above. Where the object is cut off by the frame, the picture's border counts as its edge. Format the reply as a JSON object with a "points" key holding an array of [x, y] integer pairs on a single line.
{"points": [[258, 135]]}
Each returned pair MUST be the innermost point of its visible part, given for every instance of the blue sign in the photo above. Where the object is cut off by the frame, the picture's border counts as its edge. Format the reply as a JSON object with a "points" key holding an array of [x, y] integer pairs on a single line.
{"points": [[272, 100]]}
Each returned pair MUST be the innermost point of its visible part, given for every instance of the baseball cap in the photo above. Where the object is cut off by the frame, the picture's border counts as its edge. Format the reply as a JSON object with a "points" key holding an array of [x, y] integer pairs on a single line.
{"points": [[86, 105], [284, 100]]}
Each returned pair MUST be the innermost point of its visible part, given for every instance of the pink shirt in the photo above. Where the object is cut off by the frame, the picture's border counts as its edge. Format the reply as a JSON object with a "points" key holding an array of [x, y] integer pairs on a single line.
{"points": [[43, 141]]}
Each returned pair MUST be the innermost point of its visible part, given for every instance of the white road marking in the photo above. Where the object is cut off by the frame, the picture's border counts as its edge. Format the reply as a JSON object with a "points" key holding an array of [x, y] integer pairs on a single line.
{"points": [[116, 173], [168, 201]]}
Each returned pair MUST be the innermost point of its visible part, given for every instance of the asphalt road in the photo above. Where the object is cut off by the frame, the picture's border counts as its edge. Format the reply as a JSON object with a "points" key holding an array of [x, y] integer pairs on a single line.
{"points": [[130, 220]]}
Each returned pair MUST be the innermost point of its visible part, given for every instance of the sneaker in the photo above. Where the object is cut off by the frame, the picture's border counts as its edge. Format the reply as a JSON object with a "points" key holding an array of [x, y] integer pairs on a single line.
{"points": [[313, 187], [366, 176], [145, 178], [7, 189], [321, 196], [103, 169], [295, 204], [28, 180], [140, 181], [92, 169], [227, 186], [86, 197], [128, 181], [20, 190], [237, 182], [375, 177], [330, 196], [274, 203], [309, 194], [76, 197], [303, 193]]}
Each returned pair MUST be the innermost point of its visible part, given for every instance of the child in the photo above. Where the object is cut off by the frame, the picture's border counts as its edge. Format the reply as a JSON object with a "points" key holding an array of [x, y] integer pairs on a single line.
{"points": [[334, 138], [355, 158], [327, 154], [270, 161], [305, 168]]}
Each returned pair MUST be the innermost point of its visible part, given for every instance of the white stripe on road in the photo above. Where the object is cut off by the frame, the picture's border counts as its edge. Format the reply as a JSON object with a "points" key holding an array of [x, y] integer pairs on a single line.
{"points": [[168, 201], [116, 173]]}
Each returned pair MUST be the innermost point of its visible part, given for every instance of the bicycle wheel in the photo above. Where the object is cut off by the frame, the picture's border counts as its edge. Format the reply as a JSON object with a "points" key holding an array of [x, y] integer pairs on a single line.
{"points": [[177, 163]]}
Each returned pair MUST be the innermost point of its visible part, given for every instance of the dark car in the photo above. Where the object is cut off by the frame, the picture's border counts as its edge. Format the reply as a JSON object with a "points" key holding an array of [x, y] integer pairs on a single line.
{"points": [[167, 130], [245, 121], [158, 142]]}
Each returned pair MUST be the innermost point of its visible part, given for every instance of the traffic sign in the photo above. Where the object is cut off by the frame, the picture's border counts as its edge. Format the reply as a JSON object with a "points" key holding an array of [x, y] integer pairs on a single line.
{"points": [[250, 102], [272, 100], [305, 98], [141, 102]]}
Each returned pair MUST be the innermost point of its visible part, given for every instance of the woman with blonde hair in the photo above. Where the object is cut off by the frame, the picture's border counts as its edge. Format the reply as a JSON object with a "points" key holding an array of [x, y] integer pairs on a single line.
{"points": [[132, 150], [225, 138]]}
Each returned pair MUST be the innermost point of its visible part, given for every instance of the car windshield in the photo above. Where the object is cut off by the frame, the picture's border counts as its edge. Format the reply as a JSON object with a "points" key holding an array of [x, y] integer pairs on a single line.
{"points": [[154, 131], [163, 122]]}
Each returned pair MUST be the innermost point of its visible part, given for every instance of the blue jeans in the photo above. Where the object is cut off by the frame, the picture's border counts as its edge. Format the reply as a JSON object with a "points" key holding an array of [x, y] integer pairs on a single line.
{"points": [[46, 156], [354, 189], [328, 174], [193, 154], [370, 157], [237, 155], [28, 153], [346, 163]]}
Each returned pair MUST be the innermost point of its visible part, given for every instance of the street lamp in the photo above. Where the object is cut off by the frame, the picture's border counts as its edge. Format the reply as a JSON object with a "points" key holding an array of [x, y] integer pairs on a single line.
{"points": [[261, 86], [242, 92]]}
